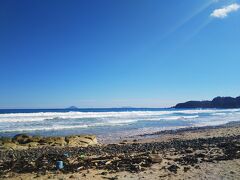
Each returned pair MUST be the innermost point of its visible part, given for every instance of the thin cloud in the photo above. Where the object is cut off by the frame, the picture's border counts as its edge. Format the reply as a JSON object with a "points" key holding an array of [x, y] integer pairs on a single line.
{"points": [[223, 12], [189, 18]]}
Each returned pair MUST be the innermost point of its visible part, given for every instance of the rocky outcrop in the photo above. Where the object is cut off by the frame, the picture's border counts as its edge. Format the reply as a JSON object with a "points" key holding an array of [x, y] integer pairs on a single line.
{"points": [[218, 102], [24, 141], [83, 140], [53, 141]]}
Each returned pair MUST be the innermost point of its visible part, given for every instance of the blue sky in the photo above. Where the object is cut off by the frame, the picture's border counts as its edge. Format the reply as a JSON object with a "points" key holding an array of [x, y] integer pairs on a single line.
{"points": [[143, 53]]}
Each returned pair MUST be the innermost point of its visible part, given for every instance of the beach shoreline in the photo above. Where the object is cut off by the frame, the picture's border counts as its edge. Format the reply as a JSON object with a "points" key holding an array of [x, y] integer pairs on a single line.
{"points": [[171, 154]]}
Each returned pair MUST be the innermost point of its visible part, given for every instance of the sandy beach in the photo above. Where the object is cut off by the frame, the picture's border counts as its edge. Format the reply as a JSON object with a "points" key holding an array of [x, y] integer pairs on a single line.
{"points": [[192, 153], [120, 90]]}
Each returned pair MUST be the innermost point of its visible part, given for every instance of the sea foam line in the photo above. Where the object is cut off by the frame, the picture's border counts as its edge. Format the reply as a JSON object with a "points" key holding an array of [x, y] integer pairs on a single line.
{"points": [[41, 116]]}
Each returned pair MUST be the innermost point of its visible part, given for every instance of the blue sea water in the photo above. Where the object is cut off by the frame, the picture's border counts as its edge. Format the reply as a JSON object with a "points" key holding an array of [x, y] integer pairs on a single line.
{"points": [[108, 122]]}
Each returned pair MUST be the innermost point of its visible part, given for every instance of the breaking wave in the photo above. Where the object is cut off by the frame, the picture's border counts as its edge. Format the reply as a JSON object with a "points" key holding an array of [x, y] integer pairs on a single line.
{"points": [[53, 121]]}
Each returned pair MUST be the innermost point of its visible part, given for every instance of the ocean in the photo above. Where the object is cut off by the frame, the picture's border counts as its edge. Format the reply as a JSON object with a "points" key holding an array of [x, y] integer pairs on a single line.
{"points": [[109, 122]]}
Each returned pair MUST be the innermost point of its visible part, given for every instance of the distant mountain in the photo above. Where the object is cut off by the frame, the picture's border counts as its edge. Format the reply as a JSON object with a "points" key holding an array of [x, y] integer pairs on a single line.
{"points": [[217, 102], [127, 107], [72, 107]]}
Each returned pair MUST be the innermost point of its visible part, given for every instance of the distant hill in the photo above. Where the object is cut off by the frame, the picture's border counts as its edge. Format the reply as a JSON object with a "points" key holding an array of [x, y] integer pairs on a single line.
{"points": [[217, 102], [72, 107]]}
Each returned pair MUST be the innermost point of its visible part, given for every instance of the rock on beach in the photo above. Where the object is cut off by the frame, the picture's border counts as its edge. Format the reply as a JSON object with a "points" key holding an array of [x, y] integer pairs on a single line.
{"points": [[24, 141]]}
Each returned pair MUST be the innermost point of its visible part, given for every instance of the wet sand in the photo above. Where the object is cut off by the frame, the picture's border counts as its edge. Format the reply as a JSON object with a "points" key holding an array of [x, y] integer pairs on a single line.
{"points": [[192, 153]]}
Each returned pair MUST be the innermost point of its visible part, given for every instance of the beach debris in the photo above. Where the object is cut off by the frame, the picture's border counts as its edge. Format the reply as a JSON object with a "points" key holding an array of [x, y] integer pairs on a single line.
{"points": [[186, 168], [155, 158], [82, 155], [173, 168], [114, 158], [72, 177], [66, 155], [59, 165], [104, 173], [123, 142]]}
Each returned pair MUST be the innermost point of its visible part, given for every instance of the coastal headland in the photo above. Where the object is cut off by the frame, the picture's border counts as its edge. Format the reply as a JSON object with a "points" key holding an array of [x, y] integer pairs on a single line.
{"points": [[217, 102]]}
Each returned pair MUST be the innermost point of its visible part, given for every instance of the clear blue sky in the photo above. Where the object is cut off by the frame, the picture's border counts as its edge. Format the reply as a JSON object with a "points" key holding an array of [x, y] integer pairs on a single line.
{"points": [[111, 53]]}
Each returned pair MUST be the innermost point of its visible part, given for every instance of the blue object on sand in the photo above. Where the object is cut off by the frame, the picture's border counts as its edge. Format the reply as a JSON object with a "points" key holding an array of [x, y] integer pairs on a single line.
{"points": [[66, 155], [59, 165]]}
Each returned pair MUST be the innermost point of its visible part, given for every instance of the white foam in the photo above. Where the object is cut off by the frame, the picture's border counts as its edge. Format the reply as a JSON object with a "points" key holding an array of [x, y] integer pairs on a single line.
{"points": [[28, 117], [58, 127], [41, 116], [70, 120]]}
